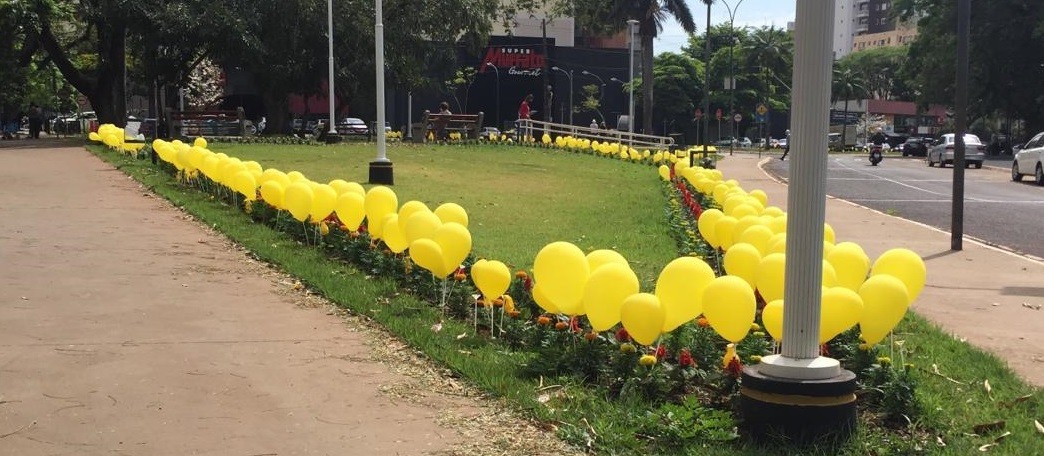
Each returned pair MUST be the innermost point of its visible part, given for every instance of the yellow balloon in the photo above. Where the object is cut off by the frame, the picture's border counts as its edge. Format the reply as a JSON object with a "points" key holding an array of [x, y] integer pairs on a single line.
{"points": [[730, 307], [828, 233], [760, 196], [841, 309], [298, 200], [724, 231], [642, 316], [427, 254], [604, 294], [491, 277], [779, 224], [324, 200], [380, 201], [200, 142], [829, 275], [772, 211], [341, 186], [420, 225], [561, 269], [243, 182], [772, 319], [601, 257], [295, 176], [742, 260], [93, 136], [541, 299], [272, 193], [850, 263], [455, 241], [885, 300], [743, 210], [408, 208], [665, 172], [770, 276], [904, 265], [679, 288], [757, 235], [392, 234], [452, 212], [350, 211], [706, 223]]}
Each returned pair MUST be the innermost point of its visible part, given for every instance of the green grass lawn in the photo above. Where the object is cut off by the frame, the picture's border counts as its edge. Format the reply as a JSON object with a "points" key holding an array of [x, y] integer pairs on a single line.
{"points": [[519, 199]]}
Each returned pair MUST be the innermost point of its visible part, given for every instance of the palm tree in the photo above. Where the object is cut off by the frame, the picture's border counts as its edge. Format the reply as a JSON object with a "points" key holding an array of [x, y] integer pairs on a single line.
{"points": [[847, 84], [651, 15]]}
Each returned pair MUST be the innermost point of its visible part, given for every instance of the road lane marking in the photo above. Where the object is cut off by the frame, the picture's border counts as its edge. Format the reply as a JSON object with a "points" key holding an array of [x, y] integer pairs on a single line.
{"points": [[838, 161]]}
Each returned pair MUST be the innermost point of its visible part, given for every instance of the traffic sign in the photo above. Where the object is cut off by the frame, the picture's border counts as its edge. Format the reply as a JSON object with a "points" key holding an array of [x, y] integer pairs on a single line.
{"points": [[699, 114], [738, 117], [762, 109], [718, 113]]}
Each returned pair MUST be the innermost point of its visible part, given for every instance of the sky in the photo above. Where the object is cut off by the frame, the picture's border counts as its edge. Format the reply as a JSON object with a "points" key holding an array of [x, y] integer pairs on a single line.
{"points": [[750, 13]]}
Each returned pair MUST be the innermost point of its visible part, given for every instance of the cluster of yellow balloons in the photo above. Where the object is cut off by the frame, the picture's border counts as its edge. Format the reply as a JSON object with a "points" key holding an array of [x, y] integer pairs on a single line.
{"points": [[115, 138], [753, 236], [608, 149], [602, 286]]}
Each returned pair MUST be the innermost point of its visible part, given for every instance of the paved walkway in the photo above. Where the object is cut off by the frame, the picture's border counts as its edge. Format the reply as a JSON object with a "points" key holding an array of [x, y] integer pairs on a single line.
{"points": [[127, 328], [976, 294]]}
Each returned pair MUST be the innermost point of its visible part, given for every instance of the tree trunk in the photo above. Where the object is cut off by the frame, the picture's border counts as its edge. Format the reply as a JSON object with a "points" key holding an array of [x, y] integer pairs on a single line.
{"points": [[104, 89], [648, 29], [276, 107]]}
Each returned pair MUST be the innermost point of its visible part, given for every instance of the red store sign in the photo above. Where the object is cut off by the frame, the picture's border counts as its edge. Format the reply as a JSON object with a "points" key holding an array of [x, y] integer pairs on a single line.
{"points": [[519, 61]]}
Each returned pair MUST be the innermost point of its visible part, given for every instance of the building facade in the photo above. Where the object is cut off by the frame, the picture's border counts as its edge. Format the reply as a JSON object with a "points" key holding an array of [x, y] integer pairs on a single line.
{"points": [[864, 24]]}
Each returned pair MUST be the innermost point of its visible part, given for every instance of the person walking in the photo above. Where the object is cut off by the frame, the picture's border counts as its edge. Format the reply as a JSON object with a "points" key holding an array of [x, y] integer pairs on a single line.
{"points": [[524, 115], [786, 149], [35, 121]]}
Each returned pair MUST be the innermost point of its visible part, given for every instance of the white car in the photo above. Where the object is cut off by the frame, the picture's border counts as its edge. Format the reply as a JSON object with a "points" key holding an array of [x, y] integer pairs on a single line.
{"points": [[941, 151], [1028, 160]]}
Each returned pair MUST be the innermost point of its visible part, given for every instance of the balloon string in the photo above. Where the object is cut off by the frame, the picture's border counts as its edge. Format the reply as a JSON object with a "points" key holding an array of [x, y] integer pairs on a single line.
{"points": [[502, 321], [491, 336]]}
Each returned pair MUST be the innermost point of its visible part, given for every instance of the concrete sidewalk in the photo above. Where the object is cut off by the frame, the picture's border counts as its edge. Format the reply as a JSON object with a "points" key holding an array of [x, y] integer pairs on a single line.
{"points": [[976, 293], [128, 328]]}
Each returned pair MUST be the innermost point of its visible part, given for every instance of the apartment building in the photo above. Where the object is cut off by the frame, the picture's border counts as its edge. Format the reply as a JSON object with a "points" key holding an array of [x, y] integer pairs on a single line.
{"points": [[865, 24]]}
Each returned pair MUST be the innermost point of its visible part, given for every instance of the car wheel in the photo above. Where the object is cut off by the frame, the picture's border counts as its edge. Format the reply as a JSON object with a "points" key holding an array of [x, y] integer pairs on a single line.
{"points": [[1015, 175], [942, 164], [978, 165], [1039, 175], [928, 158]]}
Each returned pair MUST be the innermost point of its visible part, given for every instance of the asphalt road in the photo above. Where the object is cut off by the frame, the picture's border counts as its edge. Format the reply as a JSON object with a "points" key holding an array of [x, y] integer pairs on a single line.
{"points": [[997, 211]]}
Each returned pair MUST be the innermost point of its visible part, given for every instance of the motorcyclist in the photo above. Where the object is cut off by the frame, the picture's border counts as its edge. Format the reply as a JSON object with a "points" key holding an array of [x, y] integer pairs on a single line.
{"points": [[877, 140]]}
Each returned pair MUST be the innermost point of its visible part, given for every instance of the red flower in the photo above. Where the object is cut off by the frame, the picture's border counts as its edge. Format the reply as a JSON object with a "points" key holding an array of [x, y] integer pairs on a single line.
{"points": [[661, 352], [574, 325], [527, 283], [735, 369], [622, 336], [685, 358]]}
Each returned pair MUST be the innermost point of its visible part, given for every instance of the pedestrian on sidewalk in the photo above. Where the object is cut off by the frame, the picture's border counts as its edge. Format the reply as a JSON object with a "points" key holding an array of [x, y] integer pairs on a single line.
{"points": [[524, 115], [35, 121], [786, 149]]}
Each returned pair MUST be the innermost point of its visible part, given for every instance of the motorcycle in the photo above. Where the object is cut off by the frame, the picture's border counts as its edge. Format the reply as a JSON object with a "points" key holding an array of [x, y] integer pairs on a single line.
{"points": [[876, 154]]}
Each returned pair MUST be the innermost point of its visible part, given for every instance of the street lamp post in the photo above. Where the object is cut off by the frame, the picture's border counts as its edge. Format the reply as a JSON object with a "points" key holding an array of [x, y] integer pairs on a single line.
{"points": [[601, 88], [495, 69], [569, 74], [331, 126], [381, 171], [732, 67], [631, 23]]}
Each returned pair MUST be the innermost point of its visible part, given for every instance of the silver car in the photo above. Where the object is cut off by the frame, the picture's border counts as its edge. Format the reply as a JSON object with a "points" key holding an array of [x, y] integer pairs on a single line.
{"points": [[1030, 160], [941, 151]]}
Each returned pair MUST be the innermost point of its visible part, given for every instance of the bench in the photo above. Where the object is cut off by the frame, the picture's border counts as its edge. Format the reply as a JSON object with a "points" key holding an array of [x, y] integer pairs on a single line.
{"points": [[189, 124], [441, 125]]}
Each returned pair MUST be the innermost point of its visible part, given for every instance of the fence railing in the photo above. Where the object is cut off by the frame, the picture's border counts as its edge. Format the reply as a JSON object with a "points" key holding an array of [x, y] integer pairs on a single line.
{"points": [[537, 128]]}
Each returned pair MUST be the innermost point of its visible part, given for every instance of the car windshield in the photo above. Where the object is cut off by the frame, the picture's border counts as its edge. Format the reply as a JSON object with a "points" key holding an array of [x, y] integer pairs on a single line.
{"points": [[968, 139], [351, 121]]}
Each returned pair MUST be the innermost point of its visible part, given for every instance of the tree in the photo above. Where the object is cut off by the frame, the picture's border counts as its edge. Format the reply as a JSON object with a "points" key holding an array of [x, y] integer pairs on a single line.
{"points": [[1007, 48], [676, 80], [846, 85], [591, 101], [880, 69], [651, 16]]}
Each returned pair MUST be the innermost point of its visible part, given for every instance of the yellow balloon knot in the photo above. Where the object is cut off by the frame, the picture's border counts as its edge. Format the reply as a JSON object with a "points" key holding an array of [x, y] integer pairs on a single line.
{"points": [[758, 334], [248, 206], [324, 229], [628, 348], [864, 347], [647, 360], [884, 361], [754, 359], [755, 327]]}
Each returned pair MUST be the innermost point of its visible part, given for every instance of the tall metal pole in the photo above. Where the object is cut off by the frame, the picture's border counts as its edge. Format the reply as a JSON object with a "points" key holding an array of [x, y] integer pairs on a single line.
{"points": [[381, 171], [331, 126], [732, 70], [571, 97], [497, 71], [961, 108], [806, 199], [706, 77], [630, 72]]}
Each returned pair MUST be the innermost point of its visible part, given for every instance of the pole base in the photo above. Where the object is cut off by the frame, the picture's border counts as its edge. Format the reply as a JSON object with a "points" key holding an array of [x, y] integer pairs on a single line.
{"points": [[332, 138], [821, 412], [381, 173]]}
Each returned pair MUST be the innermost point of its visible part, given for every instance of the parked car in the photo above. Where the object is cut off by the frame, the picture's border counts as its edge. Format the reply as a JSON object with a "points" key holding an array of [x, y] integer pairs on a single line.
{"points": [[915, 147], [352, 126], [726, 142], [745, 142], [1028, 160], [941, 151], [488, 132]]}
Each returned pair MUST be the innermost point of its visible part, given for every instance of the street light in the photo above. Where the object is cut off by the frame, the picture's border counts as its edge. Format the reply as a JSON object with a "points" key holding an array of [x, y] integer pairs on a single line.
{"points": [[494, 67], [381, 171], [631, 23], [601, 89], [570, 75], [732, 68], [332, 127]]}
